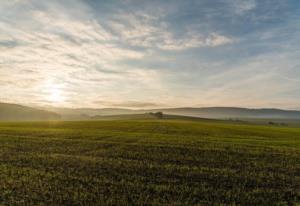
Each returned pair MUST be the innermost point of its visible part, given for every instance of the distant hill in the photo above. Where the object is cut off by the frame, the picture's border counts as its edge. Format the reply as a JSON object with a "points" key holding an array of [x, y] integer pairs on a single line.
{"points": [[151, 116], [145, 116], [89, 113], [204, 112], [233, 112], [18, 112], [14, 112]]}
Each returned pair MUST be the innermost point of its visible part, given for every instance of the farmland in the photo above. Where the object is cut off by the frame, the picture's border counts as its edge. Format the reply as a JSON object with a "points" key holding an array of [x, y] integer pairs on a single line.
{"points": [[148, 162]]}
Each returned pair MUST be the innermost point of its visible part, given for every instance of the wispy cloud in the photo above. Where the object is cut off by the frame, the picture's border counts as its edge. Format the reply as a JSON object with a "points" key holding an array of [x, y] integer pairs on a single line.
{"points": [[242, 6], [152, 33], [145, 54]]}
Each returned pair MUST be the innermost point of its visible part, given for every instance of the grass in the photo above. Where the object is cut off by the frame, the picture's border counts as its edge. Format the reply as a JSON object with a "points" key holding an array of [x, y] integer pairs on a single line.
{"points": [[148, 162]]}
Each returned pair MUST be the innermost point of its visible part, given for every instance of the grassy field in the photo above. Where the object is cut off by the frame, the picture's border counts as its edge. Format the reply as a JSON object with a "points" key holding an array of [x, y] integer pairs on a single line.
{"points": [[148, 162]]}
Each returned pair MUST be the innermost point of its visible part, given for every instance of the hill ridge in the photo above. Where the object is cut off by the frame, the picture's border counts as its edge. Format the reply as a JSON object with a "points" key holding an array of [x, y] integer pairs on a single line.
{"points": [[17, 112]]}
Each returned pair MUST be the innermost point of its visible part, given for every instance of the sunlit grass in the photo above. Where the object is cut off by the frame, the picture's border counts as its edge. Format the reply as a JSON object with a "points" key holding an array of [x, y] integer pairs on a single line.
{"points": [[148, 162]]}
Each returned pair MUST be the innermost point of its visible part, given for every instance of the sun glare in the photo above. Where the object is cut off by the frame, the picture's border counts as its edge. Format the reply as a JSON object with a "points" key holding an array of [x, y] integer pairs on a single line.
{"points": [[54, 93], [56, 96]]}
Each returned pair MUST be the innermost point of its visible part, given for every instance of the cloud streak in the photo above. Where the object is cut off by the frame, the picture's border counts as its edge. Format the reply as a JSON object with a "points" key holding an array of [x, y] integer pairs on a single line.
{"points": [[127, 54], [145, 31]]}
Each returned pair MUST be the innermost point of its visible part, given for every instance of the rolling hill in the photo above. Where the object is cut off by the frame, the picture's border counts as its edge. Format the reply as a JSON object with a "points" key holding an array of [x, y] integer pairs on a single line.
{"points": [[205, 112], [18, 112], [233, 112], [14, 112]]}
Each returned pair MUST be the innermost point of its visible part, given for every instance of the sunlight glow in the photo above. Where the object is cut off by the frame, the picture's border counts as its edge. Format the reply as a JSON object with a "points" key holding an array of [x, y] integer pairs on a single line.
{"points": [[56, 96], [54, 93]]}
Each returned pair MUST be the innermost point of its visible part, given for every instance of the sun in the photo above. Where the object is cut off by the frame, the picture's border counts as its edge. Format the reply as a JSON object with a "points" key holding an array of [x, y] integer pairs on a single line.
{"points": [[56, 96], [53, 92]]}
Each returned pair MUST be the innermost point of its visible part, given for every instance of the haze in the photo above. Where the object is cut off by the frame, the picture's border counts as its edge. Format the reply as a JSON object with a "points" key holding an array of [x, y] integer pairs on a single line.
{"points": [[150, 54]]}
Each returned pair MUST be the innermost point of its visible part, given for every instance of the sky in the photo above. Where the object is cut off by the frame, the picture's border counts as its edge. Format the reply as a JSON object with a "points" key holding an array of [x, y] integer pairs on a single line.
{"points": [[150, 54]]}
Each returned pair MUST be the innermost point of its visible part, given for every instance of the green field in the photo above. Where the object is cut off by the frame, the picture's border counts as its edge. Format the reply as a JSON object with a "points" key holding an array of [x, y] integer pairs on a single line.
{"points": [[148, 162]]}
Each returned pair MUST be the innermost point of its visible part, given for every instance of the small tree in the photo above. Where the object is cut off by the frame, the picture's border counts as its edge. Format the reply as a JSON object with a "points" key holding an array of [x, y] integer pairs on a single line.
{"points": [[272, 123], [159, 115]]}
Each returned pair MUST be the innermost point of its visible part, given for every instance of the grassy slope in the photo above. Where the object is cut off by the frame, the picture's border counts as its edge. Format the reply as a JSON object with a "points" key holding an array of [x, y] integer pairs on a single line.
{"points": [[15, 112], [147, 116], [148, 162]]}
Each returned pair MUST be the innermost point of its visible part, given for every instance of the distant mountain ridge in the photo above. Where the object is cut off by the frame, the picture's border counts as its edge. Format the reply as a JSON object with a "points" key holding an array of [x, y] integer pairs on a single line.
{"points": [[12, 112], [234, 112], [15, 112], [203, 112]]}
